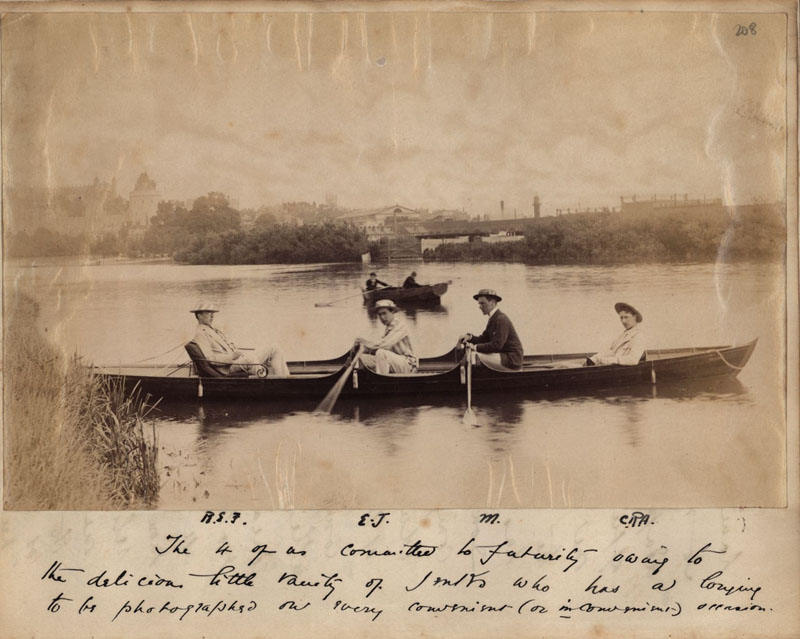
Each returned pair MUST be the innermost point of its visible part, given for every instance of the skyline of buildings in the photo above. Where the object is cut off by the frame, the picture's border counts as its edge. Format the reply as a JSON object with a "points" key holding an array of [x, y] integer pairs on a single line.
{"points": [[97, 208]]}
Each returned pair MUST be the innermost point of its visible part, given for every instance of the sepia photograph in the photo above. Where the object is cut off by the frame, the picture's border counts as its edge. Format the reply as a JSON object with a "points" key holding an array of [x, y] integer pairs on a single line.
{"points": [[465, 258]]}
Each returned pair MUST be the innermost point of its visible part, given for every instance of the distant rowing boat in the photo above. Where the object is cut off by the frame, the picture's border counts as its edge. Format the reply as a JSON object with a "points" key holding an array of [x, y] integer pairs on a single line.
{"points": [[443, 374], [429, 294]]}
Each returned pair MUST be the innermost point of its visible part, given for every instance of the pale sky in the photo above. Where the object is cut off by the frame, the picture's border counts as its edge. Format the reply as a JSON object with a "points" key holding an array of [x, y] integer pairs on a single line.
{"points": [[423, 109]]}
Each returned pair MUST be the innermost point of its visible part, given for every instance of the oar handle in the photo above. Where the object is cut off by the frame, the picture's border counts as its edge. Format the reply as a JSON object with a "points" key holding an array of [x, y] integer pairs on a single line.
{"points": [[469, 352]]}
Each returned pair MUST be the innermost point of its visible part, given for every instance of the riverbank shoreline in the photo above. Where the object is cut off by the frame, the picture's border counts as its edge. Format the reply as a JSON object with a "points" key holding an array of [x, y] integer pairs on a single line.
{"points": [[72, 442], [82, 260], [604, 239]]}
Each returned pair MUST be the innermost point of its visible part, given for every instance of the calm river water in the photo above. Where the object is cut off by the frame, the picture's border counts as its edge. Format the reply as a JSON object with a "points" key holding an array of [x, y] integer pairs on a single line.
{"points": [[709, 444]]}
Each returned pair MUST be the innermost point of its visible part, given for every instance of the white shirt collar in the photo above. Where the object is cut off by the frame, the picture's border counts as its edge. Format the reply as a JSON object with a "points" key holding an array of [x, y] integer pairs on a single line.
{"points": [[493, 311]]}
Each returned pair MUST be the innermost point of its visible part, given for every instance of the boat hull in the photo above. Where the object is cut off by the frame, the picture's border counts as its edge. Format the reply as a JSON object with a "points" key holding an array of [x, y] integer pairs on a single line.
{"points": [[431, 294], [442, 375]]}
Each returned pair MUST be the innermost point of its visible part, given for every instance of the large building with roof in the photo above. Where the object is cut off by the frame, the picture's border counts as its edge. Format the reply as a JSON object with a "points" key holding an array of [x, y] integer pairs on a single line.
{"points": [[87, 209]]}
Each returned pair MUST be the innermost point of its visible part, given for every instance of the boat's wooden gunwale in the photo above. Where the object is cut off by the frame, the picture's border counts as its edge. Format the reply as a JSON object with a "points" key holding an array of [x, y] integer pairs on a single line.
{"points": [[444, 375]]}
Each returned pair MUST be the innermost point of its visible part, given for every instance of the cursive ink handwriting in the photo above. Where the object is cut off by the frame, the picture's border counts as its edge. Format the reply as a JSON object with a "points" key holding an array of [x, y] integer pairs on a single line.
{"points": [[229, 574], [501, 549], [708, 583], [176, 545], [467, 579]]}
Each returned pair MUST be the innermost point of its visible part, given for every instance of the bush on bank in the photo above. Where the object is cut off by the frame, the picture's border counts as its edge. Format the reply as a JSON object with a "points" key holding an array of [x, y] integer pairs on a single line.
{"points": [[73, 442], [609, 238], [278, 244]]}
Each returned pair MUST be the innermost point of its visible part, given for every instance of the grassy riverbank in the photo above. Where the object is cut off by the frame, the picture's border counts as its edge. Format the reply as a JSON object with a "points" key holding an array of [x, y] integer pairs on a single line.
{"points": [[72, 441], [618, 239]]}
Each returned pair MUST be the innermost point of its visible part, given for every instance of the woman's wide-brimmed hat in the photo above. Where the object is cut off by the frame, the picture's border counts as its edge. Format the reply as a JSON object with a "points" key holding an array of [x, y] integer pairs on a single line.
{"points": [[487, 292], [385, 304], [204, 307], [622, 306]]}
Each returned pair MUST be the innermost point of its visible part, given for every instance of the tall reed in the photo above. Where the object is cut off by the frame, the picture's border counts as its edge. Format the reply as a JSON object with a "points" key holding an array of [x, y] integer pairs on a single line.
{"points": [[73, 440], [112, 422]]}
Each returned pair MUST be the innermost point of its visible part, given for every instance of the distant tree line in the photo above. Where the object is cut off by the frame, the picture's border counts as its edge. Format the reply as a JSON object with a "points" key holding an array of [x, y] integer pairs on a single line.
{"points": [[613, 238], [277, 244], [210, 232], [45, 242]]}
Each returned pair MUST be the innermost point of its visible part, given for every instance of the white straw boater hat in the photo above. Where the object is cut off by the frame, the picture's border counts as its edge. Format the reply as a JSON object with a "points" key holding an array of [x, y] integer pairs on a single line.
{"points": [[487, 292], [205, 307], [385, 304]]}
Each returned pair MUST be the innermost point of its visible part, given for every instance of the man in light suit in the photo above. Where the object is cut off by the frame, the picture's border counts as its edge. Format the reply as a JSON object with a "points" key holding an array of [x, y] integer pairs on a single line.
{"points": [[629, 347], [393, 352], [499, 346], [221, 352]]}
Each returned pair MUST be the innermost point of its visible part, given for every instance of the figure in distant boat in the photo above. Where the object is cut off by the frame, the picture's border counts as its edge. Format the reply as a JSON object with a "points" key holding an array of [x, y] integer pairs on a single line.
{"points": [[499, 346], [628, 348], [225, 356], [373, 282], [393, 352], [411, 281]]}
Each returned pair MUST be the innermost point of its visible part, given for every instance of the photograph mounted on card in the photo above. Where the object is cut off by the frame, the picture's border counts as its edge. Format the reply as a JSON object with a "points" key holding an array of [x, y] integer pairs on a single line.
{"points": [[394, 258]]}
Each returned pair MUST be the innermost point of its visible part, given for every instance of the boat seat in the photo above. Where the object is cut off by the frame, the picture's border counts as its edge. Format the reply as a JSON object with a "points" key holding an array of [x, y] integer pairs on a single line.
{"points": [[205, 367]]}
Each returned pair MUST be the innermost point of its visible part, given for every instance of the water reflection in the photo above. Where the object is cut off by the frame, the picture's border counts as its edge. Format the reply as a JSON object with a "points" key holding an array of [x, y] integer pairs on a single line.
{"points": [[500, 413], [503, 408], [217, 290]]}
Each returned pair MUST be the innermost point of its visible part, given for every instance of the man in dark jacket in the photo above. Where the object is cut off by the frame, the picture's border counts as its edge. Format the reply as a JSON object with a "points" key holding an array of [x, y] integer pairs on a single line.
{"points": [[411, 281], [373, 282], [499, 345]]}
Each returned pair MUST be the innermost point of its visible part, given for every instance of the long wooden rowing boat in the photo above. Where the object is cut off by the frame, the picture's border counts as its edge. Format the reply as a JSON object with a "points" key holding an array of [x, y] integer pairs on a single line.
{"points": [[443, 374], [429, 294]]}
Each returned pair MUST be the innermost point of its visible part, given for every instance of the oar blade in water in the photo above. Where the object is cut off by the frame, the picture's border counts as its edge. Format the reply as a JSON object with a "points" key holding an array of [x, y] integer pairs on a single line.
{"points": [[327, 404], [469, 418]]}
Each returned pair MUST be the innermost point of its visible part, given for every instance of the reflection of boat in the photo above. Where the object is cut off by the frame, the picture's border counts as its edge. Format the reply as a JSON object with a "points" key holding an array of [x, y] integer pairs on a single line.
{"points": [[444, 374], [428, 294]]}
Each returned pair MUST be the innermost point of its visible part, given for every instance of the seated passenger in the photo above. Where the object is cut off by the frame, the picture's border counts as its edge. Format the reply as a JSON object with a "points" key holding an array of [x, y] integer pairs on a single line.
{"points": [[627, 349], [498, 346], [221, 352], [373, 282], [411, 281], [393, 352]]}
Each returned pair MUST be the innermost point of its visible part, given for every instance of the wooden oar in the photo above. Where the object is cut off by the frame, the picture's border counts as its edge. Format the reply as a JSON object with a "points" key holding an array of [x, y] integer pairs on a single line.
{"points": [[469, 415], [326, 405], [342, 299]]}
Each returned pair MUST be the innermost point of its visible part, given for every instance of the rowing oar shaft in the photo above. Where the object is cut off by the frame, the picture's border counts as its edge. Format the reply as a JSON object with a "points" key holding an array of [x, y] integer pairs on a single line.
{"points": [[469, 415], [326, 405], [342, 299]]}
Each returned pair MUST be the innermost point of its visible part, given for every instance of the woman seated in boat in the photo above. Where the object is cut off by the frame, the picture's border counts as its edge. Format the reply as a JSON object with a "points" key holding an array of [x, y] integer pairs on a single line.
{"points": [[393, 352], [223, 354], [629, 347]]}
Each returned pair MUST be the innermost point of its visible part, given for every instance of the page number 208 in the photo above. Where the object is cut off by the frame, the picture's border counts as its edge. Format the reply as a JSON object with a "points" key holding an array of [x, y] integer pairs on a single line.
{"points": [[744, 30]]}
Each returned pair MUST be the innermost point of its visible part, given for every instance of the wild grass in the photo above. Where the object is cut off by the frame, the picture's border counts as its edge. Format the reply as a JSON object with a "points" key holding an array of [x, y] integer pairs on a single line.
{"points": [[73, 441]]}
